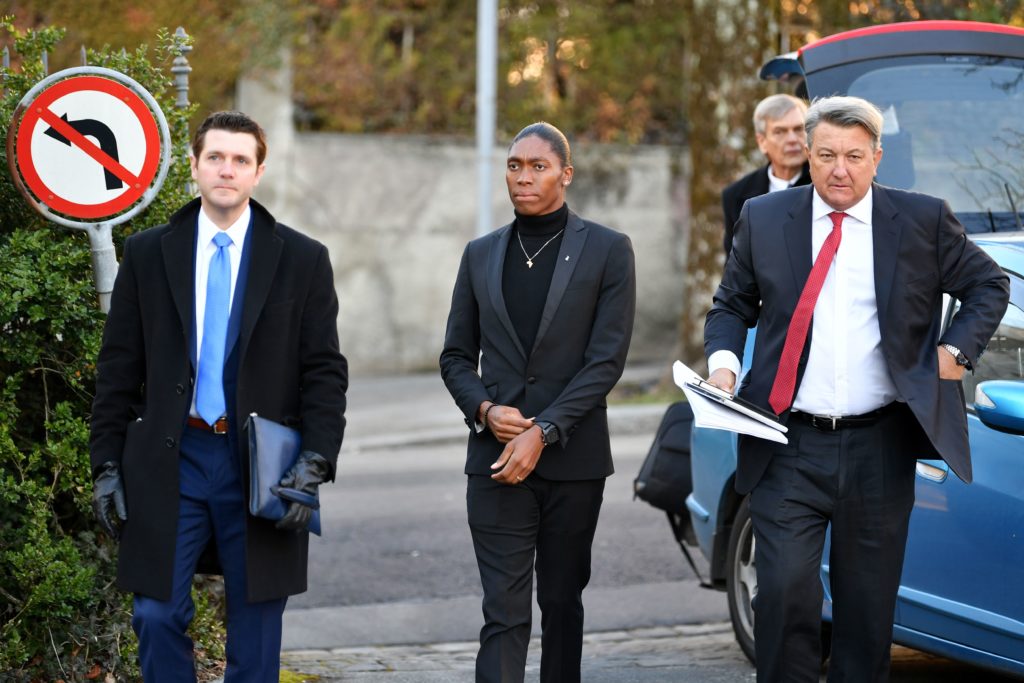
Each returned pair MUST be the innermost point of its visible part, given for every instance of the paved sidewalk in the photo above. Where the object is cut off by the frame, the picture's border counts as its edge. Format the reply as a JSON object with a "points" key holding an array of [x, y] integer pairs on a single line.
{"points": [[702, 653]]}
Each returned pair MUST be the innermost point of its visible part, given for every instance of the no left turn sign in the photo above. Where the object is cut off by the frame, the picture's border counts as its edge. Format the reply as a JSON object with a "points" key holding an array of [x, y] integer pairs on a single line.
{"points": [[89, 145]]}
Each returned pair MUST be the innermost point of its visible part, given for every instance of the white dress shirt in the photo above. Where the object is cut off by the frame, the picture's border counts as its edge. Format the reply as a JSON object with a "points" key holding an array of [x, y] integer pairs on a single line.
{"points": [[846, 373], [776, 183], [205, 249]]}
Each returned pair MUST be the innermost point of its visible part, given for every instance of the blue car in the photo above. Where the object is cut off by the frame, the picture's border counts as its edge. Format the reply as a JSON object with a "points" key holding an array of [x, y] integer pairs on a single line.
{"points": [[953, 96]]}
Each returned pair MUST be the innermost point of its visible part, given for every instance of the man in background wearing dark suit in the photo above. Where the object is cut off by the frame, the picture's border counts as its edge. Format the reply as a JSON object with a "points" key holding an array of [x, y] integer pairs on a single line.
{"points": [[849, 354], [779, 127], [221, 313]]}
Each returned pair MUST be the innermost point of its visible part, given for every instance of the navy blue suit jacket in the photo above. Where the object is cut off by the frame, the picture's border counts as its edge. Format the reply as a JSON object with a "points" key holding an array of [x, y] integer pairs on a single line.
{"points": [[754, 184], [920, 252]]}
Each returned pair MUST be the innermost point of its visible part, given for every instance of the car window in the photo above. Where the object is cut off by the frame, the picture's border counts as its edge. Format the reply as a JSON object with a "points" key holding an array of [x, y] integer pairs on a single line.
{"points": [[952, 128], [1003, 357]]}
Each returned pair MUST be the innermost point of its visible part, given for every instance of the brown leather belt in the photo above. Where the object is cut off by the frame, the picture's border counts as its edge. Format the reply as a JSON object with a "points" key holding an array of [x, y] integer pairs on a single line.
{"points": [[830, 423], [218, 427]]}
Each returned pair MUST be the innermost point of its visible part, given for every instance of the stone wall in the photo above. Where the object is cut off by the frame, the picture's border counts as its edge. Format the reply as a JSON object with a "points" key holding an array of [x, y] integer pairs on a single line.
{"points": [[397, 211]]}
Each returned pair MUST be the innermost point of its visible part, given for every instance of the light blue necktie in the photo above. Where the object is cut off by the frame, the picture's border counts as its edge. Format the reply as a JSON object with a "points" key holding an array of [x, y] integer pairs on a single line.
{"points": [[210, 383]]}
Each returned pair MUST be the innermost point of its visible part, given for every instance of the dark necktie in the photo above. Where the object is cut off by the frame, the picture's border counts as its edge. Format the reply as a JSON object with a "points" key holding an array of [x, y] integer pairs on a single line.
{"points": [[781, 396], [210, 381]]}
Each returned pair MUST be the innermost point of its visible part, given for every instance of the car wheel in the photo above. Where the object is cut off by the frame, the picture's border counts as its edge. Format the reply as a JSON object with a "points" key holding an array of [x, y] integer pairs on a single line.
{"points": [[741, 578]]}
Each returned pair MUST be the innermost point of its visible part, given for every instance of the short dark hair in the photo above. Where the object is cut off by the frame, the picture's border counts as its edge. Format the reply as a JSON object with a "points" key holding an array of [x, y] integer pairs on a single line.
{"points": [[554, 137], [235, 122]]}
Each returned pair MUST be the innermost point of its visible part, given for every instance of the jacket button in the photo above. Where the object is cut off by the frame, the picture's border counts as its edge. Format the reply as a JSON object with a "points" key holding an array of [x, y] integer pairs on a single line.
{"points": [[169, 442], [531, 380], [180, 389]]}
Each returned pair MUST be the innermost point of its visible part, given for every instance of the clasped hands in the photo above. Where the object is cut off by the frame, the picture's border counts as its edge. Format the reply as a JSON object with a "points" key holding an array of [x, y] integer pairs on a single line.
{"points": [[523, 443]]}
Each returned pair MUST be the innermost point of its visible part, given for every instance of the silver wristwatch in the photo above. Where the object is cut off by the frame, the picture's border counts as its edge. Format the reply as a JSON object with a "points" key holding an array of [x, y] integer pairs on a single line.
{"points": [[961, 359]]}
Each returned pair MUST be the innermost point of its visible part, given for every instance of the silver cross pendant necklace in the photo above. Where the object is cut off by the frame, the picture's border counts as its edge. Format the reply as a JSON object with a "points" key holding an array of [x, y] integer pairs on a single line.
{"points": [[529, 259]]}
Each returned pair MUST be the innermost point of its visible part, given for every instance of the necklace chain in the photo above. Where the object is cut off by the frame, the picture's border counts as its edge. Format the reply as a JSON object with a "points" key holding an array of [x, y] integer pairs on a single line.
{"points": [[529, 259]]}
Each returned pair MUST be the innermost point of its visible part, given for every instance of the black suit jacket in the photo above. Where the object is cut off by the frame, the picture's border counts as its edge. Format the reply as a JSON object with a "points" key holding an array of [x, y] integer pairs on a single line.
{"points": [[578, 356], [289, 369], [920, 251], [754, 184]]}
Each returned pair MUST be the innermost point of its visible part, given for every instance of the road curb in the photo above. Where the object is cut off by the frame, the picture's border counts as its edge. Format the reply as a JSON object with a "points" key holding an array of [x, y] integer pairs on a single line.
{"points": [[622, 420]]}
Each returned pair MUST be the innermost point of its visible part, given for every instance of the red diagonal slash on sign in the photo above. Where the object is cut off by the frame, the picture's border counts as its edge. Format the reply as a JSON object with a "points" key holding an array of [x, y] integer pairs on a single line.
{"points": [[87, 146]]}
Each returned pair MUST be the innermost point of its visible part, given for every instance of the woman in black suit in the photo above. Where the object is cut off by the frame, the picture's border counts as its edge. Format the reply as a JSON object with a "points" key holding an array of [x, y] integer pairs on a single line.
{"points": [[537, 336]]}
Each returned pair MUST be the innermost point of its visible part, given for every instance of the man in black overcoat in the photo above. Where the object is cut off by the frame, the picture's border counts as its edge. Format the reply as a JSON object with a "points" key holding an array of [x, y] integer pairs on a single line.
{"points": [[218, 314]]}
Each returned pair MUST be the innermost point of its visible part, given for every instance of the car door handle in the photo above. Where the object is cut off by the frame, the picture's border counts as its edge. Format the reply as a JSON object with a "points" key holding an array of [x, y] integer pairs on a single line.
{"points": [[935, 470]]}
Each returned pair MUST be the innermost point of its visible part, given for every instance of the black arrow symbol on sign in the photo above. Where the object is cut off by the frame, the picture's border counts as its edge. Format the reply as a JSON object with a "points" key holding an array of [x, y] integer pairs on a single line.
{"points": [[103, 135]]}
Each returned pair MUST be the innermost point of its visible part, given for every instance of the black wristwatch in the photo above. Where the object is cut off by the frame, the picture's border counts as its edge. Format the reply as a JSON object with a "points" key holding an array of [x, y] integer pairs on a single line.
{"points": [[961, 359], [548, 433]]}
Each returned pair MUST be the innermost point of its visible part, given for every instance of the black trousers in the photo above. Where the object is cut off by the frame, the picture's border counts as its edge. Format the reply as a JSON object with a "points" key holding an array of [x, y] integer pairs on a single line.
{"points": [[861, 480], [542, 523]]}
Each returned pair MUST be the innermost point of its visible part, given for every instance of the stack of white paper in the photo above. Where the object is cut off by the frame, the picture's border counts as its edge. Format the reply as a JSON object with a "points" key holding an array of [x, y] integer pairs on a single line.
{"points": [[713, 415]]}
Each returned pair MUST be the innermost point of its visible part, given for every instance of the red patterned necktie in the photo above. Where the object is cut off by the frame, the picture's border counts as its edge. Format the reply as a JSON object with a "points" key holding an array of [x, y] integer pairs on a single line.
{"points": [[781, 396]]}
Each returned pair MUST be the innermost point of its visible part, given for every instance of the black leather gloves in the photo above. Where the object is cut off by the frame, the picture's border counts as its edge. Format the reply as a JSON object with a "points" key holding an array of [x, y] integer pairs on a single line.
{"points": [[108, 499], [309, 471]]}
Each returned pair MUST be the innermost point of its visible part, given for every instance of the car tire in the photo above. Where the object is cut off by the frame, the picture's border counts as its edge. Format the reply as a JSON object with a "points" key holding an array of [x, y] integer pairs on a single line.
{"points": [[741, 585], [741, 578]]}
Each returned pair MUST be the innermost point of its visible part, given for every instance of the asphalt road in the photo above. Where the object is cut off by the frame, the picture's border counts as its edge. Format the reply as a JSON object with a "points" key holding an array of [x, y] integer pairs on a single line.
{"points": [[393, 587], [396, 529]]}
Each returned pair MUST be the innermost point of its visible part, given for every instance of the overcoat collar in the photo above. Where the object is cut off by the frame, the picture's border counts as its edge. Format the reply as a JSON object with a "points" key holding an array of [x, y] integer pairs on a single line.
{"points": [[568, 256], [179, 264]]}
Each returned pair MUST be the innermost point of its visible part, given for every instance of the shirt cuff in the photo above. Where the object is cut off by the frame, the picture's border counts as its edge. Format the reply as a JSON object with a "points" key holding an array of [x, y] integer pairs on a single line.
{"points": [[724, 359]]}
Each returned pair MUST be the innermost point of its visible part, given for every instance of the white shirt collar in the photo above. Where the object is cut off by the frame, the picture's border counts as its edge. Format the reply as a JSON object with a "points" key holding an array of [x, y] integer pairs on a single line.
{"points": [[776, 183], [207, 229], [861, 210]]}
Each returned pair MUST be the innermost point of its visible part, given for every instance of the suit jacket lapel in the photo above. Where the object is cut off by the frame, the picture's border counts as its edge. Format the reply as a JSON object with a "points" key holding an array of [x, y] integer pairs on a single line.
{"points": [[568, 256], [495, 268], [241, 282], [885, 241], [797, 232], [178, 247], [265, 253]]}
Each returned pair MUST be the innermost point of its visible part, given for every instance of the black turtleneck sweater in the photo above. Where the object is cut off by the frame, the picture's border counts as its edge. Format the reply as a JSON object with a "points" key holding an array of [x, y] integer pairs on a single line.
{"points": [[526, 289]]}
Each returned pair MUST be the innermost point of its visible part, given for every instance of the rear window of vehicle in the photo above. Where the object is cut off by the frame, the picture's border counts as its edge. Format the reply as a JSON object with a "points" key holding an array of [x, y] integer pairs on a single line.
{"points": [[953, 128]]}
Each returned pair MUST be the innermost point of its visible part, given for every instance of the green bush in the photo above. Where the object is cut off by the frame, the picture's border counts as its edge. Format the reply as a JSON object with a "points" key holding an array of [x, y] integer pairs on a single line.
{"points": [[61, 618]]}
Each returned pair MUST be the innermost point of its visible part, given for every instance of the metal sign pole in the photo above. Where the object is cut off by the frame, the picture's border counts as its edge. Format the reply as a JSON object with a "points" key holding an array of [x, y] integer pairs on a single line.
{"points": [[104, 261], [486, 89]]}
